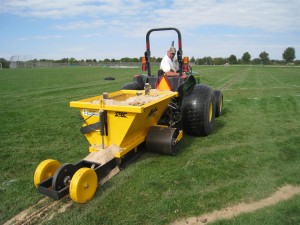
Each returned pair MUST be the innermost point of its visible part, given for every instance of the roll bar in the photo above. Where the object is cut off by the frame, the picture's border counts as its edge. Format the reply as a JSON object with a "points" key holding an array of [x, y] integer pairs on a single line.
{"points": [[148, 52]]}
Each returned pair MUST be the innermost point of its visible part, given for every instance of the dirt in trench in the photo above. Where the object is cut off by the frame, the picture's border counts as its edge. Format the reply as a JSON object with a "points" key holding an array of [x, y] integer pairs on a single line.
{"points": [[282, 194]]}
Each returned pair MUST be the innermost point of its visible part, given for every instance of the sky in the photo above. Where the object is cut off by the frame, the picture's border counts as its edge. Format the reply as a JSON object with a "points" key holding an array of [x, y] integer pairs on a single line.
{"points": [[99, 29]]}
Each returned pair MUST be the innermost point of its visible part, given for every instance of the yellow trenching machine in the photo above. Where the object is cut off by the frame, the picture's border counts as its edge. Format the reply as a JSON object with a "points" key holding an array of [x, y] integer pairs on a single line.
{"points": [[151, 112]]}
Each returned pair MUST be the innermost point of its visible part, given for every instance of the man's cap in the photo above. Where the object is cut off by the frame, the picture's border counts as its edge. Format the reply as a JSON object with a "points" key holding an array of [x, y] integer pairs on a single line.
{"points": [[172, 50]]}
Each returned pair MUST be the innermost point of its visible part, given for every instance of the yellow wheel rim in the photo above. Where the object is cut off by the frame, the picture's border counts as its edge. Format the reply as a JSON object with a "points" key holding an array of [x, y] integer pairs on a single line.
{"points": [[45, 170], [83, 185], [210, 112], [221, 105]]}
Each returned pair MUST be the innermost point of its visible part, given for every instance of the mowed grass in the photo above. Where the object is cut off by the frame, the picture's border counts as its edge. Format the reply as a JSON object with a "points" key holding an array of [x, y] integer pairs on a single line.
{"points": [[253, 150]]}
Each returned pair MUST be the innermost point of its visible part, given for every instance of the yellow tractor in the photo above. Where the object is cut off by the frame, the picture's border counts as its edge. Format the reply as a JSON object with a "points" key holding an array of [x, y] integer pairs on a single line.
{"points": [[151, 113]]}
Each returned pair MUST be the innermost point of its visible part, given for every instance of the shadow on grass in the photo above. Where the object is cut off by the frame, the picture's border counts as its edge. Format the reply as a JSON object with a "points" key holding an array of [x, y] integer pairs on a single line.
{"points": [[219, 125], [219, 121]]}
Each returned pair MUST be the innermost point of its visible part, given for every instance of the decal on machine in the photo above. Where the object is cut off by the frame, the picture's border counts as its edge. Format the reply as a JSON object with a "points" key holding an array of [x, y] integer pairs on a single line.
{"points": [[87, 112], [152, 112], [121, 114]]}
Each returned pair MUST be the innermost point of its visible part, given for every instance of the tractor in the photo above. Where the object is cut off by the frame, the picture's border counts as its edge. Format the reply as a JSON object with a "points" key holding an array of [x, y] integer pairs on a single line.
{"points": [[196, 106], [152, 112]]}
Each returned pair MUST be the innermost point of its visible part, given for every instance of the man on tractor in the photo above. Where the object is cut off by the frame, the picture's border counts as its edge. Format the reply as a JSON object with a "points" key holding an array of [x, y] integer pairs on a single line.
{"points": [[168, 65]]}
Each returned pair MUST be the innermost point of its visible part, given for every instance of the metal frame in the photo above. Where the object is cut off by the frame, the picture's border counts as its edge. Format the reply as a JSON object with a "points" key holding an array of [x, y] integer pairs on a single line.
{"points": [[45, 187], [148, 52]]}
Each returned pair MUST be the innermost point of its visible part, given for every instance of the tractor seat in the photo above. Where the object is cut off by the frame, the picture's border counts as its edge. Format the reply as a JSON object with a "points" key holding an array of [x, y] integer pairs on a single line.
{"points": [[160, 72]]}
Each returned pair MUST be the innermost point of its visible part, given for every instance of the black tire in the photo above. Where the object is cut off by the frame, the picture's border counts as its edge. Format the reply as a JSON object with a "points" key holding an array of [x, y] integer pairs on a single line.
{"points": [[140, 80], [131, 86], [218, 102], [109, 78], [198, 111]]}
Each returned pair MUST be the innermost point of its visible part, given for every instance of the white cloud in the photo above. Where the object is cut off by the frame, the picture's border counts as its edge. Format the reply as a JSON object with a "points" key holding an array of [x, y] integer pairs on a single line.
{"points": [[234, 26], [40, 37], [67, 8], [47, 37], [80, 25], [264, 15]]}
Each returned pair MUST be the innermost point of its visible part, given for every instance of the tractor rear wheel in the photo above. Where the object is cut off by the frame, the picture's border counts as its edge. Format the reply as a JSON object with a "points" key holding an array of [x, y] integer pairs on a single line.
{"points": [[198, 110], [218, 102]]}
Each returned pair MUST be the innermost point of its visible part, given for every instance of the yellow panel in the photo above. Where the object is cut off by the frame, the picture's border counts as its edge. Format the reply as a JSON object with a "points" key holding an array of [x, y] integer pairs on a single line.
{"points": [[127, 125]]}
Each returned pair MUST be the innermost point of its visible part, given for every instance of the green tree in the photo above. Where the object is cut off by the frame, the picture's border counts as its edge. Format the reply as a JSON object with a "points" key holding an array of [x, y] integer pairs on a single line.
{"points": [[264, 57], [232, 59], [198, 61], [4, 62], [72, 60], [153, 59], [63, 60], [126, 59], [246, 58], [192, 60], [207, 60], [289, 55], [219, 61], [158, 59], [256, 61]]}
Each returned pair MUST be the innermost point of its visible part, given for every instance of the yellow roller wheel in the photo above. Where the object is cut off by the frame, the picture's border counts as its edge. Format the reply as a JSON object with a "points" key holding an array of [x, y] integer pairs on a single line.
{"points": [[45, 170], [83, 185]]}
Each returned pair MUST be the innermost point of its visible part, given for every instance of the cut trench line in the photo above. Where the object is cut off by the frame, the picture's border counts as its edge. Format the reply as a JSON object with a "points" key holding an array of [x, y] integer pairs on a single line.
{"points": [[234, 79], [284, 193], [46, 209]]}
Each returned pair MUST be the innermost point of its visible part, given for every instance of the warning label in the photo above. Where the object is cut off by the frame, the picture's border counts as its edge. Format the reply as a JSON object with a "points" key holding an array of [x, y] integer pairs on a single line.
{"points": [[88, 112]]}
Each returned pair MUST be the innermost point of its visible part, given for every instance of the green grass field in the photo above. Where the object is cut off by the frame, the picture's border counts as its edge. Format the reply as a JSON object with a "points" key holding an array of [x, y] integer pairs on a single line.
{"points": [[253, 151]]}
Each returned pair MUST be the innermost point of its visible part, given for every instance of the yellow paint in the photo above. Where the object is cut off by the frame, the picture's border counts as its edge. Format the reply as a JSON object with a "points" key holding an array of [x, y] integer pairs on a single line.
{"points": [[210, 114], [180, 136], [45, 169], [83, 185], [127, 126]]}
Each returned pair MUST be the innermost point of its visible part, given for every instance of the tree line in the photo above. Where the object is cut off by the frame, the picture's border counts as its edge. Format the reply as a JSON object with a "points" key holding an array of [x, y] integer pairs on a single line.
{"points": [[288, 57]]}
